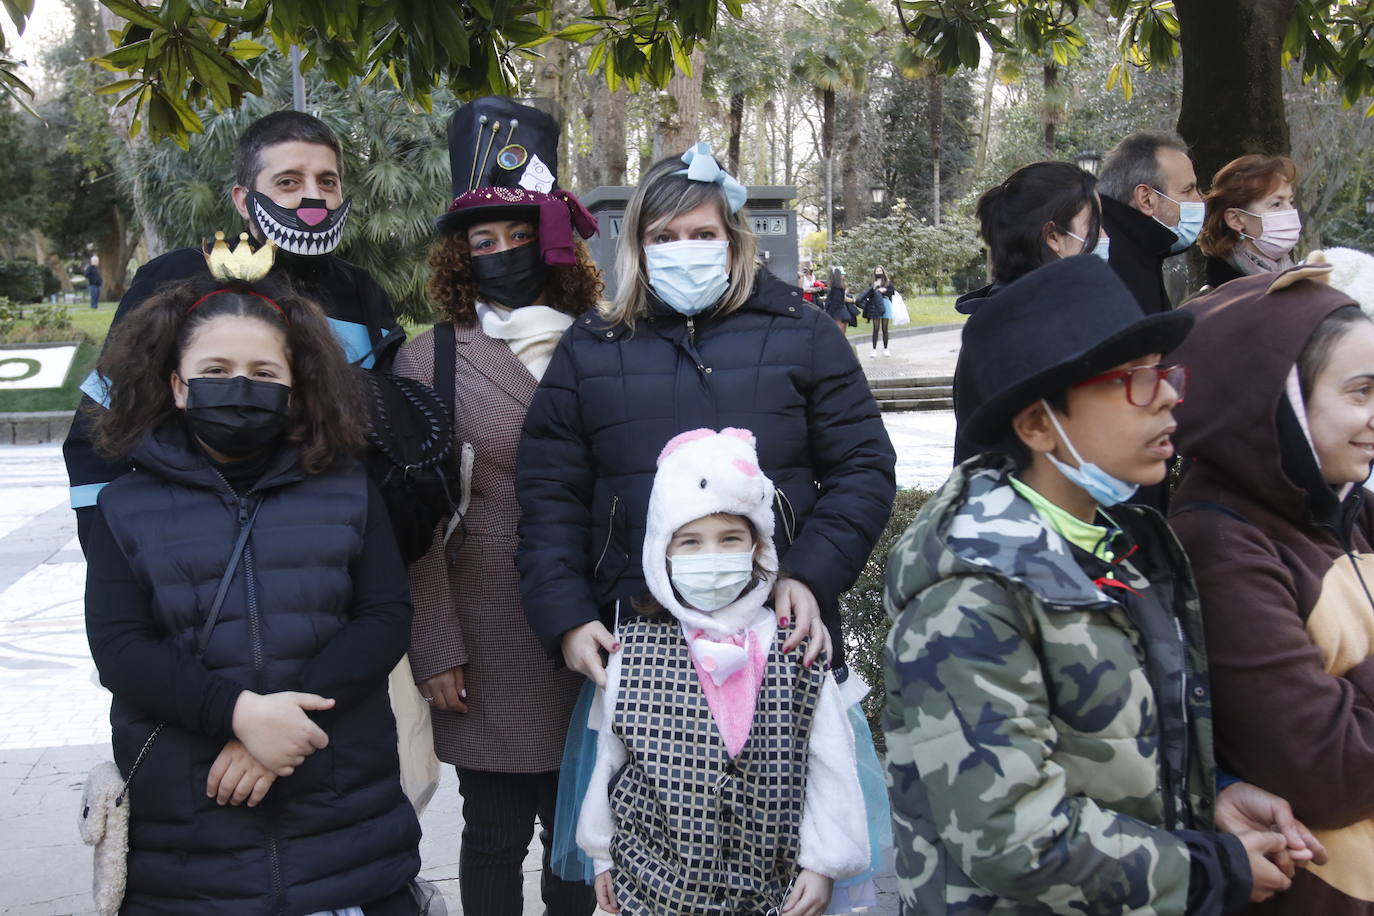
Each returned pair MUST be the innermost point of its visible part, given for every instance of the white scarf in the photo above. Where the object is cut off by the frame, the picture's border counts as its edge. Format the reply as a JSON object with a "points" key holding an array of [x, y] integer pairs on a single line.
{"points": [[531, 332]]}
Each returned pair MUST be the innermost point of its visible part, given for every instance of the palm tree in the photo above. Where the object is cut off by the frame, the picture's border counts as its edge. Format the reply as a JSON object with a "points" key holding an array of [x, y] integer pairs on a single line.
{"points": [[834, 53]]}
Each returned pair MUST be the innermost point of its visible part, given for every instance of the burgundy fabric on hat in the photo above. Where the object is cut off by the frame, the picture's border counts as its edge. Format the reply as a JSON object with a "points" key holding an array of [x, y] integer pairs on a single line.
{"points": [[559, 213]]}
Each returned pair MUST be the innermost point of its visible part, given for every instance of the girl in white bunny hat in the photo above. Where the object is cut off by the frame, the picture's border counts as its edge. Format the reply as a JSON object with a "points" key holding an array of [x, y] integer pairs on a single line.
{"points": [[725, 777]]}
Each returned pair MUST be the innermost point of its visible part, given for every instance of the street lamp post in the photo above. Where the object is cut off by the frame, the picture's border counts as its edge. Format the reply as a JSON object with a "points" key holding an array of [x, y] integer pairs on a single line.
{"points": [[879, 194], [1369, 206], [1089, 160]]}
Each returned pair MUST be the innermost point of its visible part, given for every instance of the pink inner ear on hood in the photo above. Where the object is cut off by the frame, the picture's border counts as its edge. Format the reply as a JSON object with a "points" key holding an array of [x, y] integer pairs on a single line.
{"points": [[749, 470], [682, 439]]}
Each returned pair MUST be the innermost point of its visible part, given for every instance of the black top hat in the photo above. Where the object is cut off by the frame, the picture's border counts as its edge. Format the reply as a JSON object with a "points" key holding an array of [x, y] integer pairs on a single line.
{"points": [[1059, 324], [495, 142]]}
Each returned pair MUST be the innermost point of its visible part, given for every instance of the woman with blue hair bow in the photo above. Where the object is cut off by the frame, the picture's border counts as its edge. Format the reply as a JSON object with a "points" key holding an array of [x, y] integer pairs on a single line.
{"points": [[699, 334]]}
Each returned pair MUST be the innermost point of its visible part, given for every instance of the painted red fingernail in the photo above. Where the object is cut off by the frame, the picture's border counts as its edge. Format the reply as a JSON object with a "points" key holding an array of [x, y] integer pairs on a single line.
{"points": [[786, 621], [615, 647]]}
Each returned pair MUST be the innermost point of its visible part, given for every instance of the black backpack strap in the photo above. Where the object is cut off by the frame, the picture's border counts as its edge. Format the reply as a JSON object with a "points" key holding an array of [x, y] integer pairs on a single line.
{"points": [[395, 335], [203, 638], [445, 371]]}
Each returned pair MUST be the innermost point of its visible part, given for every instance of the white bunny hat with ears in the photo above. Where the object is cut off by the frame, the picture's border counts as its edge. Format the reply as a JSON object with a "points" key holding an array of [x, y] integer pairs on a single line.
{"points": [[703, 472]]}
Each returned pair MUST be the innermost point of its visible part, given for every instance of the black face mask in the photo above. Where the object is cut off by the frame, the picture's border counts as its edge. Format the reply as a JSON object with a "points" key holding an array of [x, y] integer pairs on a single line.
{"points": [[237, 416], [513, 278]]}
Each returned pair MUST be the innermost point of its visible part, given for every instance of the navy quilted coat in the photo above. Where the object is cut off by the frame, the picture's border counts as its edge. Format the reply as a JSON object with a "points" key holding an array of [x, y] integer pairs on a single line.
{"points": [[612, 397], [336, 832]]}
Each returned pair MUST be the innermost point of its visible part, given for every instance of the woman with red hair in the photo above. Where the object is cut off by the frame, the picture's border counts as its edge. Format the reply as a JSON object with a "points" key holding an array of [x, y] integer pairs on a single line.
{"points": [[1252, 224]]}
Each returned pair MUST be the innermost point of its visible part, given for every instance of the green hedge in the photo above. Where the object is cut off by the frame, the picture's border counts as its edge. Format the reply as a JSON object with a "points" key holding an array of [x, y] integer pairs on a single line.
{"points": [[864, 622], [22, 280]]}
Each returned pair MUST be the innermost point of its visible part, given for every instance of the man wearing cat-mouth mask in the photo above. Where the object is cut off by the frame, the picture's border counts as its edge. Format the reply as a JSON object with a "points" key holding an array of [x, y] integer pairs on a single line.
{"points": [[289, 189]]}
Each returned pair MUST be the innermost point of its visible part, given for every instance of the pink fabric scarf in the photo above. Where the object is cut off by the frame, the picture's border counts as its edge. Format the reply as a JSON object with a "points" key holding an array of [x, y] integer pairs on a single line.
{"points": [[732, 703]]}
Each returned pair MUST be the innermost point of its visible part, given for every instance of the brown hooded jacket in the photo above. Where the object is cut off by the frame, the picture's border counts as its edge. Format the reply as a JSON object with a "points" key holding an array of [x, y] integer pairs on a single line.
{"points": [[1282, 563]]}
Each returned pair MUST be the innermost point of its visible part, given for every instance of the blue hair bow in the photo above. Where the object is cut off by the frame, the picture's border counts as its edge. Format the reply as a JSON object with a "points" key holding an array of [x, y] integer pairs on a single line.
{"points": [[702, 166]]}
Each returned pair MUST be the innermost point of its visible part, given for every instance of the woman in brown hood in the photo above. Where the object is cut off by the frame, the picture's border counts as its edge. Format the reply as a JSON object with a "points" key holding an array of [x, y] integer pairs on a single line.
{"points": [[1278, 435]]}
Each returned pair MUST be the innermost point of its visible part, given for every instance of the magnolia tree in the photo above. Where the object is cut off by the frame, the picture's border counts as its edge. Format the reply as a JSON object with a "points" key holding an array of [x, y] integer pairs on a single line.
{"points": [[916, 253]]}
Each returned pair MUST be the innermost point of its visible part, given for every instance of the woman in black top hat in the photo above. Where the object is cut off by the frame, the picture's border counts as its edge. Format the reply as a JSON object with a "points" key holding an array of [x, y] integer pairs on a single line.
{"points": [[510, 276]]}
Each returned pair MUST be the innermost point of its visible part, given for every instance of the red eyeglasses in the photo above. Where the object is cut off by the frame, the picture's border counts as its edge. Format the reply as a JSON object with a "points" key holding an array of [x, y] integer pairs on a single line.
{"points": [[1142, 382]]}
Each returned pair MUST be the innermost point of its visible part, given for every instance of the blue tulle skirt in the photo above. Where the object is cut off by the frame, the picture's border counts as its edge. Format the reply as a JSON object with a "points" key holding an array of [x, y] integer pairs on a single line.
{"points": [[579, 757], [859, 891]]}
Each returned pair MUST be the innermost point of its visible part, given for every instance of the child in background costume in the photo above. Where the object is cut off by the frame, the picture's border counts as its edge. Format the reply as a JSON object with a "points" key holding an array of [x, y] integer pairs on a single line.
{"points": [[720, 758]]}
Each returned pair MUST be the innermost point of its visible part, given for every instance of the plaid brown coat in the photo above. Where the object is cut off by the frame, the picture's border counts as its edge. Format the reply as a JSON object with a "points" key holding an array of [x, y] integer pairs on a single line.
{"points": [[467, 604]]}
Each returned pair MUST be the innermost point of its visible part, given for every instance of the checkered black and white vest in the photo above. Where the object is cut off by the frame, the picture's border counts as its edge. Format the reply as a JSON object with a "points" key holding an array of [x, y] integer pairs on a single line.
{"points": [[698, 833]]}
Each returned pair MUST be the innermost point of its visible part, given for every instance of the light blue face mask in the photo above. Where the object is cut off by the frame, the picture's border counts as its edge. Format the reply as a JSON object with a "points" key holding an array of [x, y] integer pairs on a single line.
{"points": [[1101, 249], [1190, 216], [1105, 489], [689, 276]]}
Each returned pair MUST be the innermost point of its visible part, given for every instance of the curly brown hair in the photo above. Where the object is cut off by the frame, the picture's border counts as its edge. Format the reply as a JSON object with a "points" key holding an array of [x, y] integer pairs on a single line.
{"points": [[453, 290], [327, 408]]}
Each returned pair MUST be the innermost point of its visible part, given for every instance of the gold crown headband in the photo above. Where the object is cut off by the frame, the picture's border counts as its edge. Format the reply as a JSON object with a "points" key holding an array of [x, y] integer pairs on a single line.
{"points": [[242, 263]]}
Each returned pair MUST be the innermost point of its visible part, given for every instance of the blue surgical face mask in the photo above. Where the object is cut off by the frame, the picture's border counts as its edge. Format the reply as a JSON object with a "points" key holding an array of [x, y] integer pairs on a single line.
{"points": [[1105, 489], [1101, 249], [1190, 216], [689, 276], [710, 581]]}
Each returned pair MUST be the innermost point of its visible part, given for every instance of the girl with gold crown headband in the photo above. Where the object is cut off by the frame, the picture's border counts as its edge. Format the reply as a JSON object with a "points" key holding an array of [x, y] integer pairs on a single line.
{"points": [[245, 603], [509, 276]]}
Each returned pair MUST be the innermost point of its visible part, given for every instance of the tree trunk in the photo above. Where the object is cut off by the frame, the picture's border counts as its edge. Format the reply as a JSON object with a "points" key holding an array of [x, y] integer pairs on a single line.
{"points": [[852, 165], [828, 151], [985, 124], [43, 254], [936, 109], [606, 118], [1050, 107], [1232, 80], [736, 128], [679, 108], [765, 151]]}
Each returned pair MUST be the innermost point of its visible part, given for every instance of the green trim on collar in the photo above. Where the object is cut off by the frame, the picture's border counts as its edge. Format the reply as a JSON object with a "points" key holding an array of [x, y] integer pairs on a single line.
{"points": [[1094, 539]]}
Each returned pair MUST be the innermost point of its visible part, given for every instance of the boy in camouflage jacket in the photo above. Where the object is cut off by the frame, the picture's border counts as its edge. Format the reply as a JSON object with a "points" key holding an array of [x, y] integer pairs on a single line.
{"points": [[1048, 731]]}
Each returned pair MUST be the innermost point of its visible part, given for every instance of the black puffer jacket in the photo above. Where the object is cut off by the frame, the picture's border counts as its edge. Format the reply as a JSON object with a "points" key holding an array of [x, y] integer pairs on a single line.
{"points": [[612, 398], [870, 301], [299, 615]]}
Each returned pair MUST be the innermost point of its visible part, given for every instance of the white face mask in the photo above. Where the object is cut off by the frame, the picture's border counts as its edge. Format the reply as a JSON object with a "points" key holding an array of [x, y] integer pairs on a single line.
{"points": [[689, 276], [710, 581], [1279, 232]]}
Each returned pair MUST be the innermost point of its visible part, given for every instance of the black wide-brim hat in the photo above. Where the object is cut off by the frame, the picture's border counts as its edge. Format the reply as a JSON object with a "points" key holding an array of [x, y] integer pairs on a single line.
{"points": [[496, 142], [1059, 324]]}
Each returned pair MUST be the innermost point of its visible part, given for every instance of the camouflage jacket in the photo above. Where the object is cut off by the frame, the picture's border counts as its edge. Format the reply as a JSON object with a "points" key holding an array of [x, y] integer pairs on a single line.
{"points": [[1023, 729]]}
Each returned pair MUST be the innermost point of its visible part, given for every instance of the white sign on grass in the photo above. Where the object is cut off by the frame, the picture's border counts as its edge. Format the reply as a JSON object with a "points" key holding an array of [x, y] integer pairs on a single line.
{"points": [[35, 365]]}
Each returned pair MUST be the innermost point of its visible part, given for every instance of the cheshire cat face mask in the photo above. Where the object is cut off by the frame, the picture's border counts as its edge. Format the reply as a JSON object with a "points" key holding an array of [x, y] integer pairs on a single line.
{"points": [[309, 229]]}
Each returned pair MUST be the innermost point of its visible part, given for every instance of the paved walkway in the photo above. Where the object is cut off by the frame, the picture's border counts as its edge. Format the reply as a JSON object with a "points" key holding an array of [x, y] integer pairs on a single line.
{"points": [[53, 712]]}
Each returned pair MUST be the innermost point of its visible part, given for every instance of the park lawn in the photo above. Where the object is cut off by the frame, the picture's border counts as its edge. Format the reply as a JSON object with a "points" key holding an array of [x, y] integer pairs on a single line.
{"points": [[924, 310], [88, 323]]}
